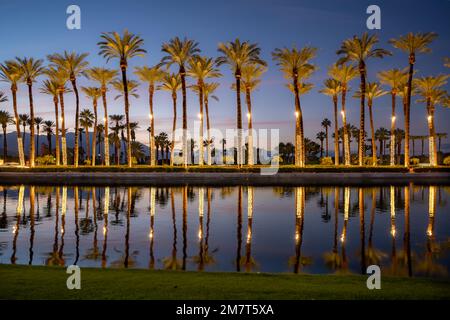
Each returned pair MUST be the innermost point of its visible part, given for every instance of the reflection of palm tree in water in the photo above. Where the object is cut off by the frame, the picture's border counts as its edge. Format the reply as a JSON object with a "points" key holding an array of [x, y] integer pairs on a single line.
{"points": [[249, 262], [77, 226], [332, 259], [185, 195], [105, 225], [406, 238], [200, 258], [171, 263], [239, 230], [347, 197], [152, 224], [373, 256], [93, 253], [299, 222], [19, 209], [4, 217], [362, 230], [127, 234], [32, 217]]}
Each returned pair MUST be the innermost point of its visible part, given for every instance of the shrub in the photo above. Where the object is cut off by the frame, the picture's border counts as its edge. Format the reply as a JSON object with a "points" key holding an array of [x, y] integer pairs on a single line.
{"points": [[46, 160], [134, 161], [87, 162], [414, 161], [447, 161], [326, 161], [368, 161]]}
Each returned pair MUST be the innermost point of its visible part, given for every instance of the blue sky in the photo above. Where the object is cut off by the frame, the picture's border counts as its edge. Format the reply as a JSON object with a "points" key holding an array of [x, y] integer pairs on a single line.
{"points": [[37, 28]]}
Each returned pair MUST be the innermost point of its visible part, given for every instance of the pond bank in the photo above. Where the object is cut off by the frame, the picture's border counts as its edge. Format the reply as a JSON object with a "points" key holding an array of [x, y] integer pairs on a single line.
{"points": [[223, 178], [24, 282]]}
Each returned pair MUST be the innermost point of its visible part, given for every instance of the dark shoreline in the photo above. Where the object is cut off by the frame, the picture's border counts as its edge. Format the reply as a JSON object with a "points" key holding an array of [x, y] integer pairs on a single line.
{"points": [[223, 179]]}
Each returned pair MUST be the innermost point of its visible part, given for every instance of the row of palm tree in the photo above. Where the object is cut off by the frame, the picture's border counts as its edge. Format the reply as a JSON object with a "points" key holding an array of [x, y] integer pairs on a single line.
{"points": [[244, 60]]}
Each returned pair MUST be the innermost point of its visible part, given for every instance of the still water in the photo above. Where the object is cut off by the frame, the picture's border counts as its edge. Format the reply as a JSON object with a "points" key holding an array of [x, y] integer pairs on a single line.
{"points": [[404, 230]]}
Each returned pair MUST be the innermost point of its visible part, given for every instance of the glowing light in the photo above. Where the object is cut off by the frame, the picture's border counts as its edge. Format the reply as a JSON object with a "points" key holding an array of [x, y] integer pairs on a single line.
{"points": [[296, 114], [393, 232], [393, 118], [248, 115], [430, 118], [249, 236], [104, 119], [199, 234], [60, 118], [62, 230], [14, 230], [150, 116], [199, 115], [297, 235], [150, 235], [429, 232], [104, 230], [342, 238]]}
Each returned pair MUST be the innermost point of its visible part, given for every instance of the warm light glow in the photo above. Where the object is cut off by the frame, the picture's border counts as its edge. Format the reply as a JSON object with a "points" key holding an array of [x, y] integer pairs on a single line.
{"points": [[199, 115], [343, 113], [150, 235], [60, 118], [104, 230], [430, 118], [104, 119], [199, 234], [296, 114], [393, 232], [393, 118], [62, 230], [297, 235], [342, 238], [429, 232], [14, 230], [249, 236], [248, 115], [150, 116]]}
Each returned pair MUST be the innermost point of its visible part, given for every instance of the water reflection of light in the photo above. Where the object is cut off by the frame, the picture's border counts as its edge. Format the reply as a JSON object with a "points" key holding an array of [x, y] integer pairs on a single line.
{"points": [[429, 232], [152, 201], [342, 238], [14, 230], [346, 202], [249, 236], [106, 202], [62, 230], [201, 201], [104, 230], [150, 235], [200, 235], [393, 232]]}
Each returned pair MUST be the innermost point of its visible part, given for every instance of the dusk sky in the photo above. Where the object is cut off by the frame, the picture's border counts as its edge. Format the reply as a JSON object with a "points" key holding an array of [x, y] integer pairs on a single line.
{"points": [[37, 28]]}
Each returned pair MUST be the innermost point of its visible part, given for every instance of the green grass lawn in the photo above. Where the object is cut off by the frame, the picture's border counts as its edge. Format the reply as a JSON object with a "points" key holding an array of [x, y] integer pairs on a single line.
{"points": [[23, 282]]}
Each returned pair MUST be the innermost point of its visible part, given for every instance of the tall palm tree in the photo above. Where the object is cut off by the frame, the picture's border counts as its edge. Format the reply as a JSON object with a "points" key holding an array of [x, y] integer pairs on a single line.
{"points": [[344, 74], [24, 120], [358, 50], [74, 65], [48, 129], [325, 124], [86, 122], [51, 88], [38, 122], [208, 92], [5, 120], [117, 121], [332, 88], [250, 80], [31, 69], [123, 48], [296, 66], [373, 91], [202, 68], [152, 76], [179, 52], [103, 77], [382, 135], [60, 78], [93, 93], [411, 44], [393, 78], [440, 136], [413, 139], [430, 89], [237, 54], [10, 73], [172, 83], [321, 137]]}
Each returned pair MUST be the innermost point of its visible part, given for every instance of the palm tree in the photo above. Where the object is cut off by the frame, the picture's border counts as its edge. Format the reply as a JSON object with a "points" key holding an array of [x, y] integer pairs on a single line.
{"points": [[208, 92], [5, 120], [10, 73], [325, 124], [332, 88], [201, 68], [31, 69], [344, 74], [48, 129], [373, 90], [358, 50], [103, 77], [224, 151], [60, 78], [172, 83], [393, 78], [429, 88], [411, 44], [117, 120], [382, 135], [38, 121], [51, 88], [74, 65], [86, 122], [422, 139], [152, 76], [399, 136], [250, 80], [321, 137], [413, 139], [237, 54], [93, 93], [122, 48], [100, 132], [296, 66], [24, 119], [179, 52]]}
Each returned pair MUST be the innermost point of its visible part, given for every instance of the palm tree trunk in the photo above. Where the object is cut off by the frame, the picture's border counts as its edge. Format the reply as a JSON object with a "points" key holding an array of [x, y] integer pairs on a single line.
{"points": [[5, 144], [94, 134], [16, 117], [239, 118], [201, 153], [77, 124], [63, 129], [174, 126], [361, 144], [208, 133], [49, 142], [127, 113], [105, 124], [37, 140], [32, 146], [372, 131], [336, 131], [57, 151], [183, 90], [346, 140], [432, 137], [392, 145], [407, 108], [86, 137], [299, 140], [250, 127], [151, 90]]}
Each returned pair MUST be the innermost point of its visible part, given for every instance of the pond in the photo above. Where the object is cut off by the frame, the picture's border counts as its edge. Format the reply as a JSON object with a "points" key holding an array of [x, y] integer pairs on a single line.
{"points": [[403, 229]]}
